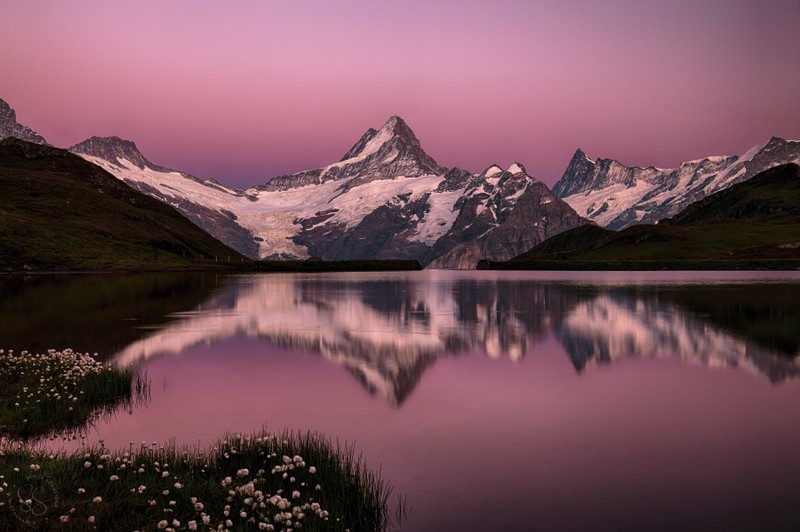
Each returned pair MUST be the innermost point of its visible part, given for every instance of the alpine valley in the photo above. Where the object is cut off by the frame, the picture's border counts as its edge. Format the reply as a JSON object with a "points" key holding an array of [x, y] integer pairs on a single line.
{"points": [[388, 199]]}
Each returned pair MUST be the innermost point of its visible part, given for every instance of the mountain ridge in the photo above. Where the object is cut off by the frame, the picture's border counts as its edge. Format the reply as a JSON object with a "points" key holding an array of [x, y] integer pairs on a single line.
{"points": [[111, 226], [386, 198], [754, 220], [617, 196]]}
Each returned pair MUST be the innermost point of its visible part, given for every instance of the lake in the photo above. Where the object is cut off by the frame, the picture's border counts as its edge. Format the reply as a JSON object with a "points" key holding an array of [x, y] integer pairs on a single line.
{"points": [[490, 400]]}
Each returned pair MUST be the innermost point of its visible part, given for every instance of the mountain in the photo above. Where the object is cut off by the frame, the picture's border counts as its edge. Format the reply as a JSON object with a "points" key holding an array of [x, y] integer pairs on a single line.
{"points": [[111, 226], [385, 199], [9, 127], [755, 220], [191, 196], [502, 211], [615, 196]]}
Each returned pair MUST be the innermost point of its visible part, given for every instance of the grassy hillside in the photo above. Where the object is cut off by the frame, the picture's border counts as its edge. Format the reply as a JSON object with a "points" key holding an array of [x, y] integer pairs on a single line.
{"points": [[754, 224], [59, 212]]}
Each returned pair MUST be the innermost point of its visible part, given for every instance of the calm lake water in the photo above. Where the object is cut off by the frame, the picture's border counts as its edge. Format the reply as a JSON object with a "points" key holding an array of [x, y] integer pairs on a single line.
{"points": [[490, 400]]}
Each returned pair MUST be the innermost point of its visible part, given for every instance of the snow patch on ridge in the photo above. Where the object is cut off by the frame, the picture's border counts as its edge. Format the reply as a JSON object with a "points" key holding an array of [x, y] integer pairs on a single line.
{"points": [[493, 171], [515, 169]]}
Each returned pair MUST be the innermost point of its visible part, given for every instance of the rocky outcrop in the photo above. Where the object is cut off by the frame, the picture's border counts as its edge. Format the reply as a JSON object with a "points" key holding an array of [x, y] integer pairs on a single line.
{"points": [[9, 127], [503, 214]]}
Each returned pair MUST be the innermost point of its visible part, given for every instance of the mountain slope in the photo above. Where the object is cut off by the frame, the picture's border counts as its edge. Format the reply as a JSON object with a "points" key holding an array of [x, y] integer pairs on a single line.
{"points": [[385, 199], [616, 196], [59, 212], [755, 220], [123, 159]]}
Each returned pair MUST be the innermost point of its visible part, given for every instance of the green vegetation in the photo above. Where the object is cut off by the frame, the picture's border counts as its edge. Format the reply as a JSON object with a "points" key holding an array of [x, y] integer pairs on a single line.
{"points": [[59, 212], [258, 482], [42, 394], [751, 225]]}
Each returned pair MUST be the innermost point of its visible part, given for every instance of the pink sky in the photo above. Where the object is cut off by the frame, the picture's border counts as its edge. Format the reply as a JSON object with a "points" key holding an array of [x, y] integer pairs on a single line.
{"points": [[243, 91]]}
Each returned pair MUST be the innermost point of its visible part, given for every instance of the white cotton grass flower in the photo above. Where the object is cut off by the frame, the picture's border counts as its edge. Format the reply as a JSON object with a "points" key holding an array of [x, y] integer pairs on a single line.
{"points": [[242, 473], [97, 499]]}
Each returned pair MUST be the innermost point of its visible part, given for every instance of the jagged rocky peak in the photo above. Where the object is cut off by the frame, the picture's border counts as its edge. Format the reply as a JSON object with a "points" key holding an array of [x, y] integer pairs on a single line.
{"points": [[389, 152], [9, 127], [577, 175], [777, 144], [113, 149], [395, 131]]}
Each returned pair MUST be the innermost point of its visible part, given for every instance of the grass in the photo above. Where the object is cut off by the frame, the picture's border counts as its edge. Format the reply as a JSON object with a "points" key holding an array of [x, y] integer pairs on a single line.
{"points": [[44, 394], [258, 482], [288, 481]]}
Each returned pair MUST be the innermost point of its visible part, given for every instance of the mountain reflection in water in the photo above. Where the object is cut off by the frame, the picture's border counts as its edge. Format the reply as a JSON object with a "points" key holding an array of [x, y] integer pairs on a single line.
{"points": [[387, 330]]}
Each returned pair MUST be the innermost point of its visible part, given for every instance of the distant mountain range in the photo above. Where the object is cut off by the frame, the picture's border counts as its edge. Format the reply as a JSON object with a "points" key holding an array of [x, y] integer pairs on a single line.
{"points": [[616, 196], [388, 199], [751, 221], [385, 199]]}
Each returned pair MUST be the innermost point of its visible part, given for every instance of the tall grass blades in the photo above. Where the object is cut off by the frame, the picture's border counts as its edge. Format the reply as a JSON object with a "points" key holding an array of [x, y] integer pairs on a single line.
{"points": [[287, 481], [44, 394]]}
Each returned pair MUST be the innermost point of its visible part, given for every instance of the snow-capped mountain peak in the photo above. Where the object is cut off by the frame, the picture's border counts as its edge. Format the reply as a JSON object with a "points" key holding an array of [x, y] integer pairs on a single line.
{"points": [[386, 153], [394, 129]]}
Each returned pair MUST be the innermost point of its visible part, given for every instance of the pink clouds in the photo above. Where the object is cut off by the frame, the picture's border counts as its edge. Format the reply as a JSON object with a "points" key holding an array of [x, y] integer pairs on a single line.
{"points": [[247, 91]]}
